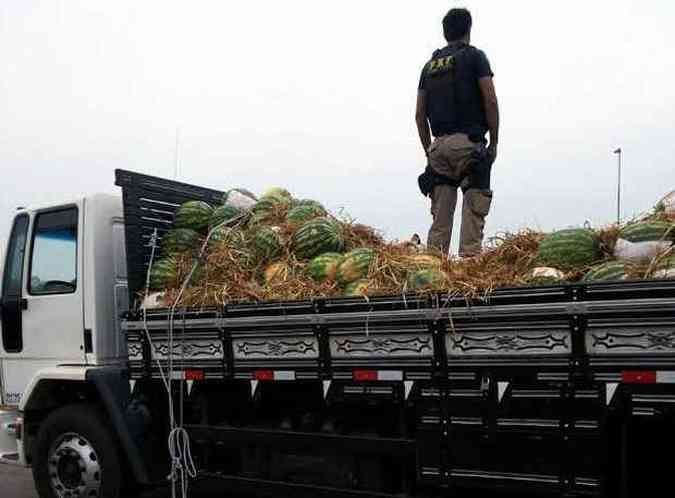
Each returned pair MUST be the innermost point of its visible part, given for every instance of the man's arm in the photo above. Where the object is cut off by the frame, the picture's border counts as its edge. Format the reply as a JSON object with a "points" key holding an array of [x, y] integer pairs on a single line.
{"points": [[421, 120], [487, 89]]}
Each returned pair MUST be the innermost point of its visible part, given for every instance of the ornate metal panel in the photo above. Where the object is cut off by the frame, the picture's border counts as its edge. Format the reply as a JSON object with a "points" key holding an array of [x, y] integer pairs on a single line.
{"points": [[393, 346], [134, 349], [511, 343], [290, 347], [630, 340], [190, 349]]}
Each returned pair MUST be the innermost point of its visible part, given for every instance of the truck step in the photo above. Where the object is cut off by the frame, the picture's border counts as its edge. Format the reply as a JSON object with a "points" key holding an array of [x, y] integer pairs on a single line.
{"points": [[9, 458]]}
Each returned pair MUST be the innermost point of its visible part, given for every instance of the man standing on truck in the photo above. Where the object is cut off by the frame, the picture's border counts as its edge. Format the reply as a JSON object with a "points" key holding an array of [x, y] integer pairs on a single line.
{"points": [[456, 98]]}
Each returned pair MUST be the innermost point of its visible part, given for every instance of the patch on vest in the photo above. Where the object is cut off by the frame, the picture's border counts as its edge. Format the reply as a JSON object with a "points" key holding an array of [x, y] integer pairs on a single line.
{"points": [[441, 65]]}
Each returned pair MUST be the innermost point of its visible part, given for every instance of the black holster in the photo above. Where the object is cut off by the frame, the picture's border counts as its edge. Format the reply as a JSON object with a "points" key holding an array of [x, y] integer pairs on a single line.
{"points": [[428, 180], [479, 174]]}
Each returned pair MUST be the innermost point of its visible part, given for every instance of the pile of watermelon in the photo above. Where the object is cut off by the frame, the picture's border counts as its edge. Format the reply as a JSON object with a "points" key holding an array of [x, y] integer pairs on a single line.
{"points": [[277, 247]]}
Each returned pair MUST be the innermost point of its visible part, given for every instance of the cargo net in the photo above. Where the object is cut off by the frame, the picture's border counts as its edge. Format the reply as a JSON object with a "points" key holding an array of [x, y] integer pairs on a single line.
{"points": [[281, 248]]}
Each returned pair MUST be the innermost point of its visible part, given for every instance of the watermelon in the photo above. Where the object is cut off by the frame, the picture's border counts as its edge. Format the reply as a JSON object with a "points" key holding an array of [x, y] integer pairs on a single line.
{"points": [[300, 214], [355, 265], [323, 268], [276, 273], [422, 261], [543, 275], [358, 288], [223, 215], [269, 206], [318, 236], [277, 192], [195, 215], [569, 249], [309, 202], [613, 270], [180, 239], [163, 273], [232, 236], [428, 279], [648, 231], [268, 242]]}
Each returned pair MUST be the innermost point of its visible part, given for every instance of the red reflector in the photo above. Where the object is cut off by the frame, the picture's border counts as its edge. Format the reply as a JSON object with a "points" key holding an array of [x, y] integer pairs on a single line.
{"points": [[194, 375], [364, 375], [638, 377], [264, 375]]}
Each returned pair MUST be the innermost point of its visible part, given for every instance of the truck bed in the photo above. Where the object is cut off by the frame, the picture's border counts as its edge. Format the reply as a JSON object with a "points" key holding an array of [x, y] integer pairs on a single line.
{"points": [[600, 330], [528, 389]]}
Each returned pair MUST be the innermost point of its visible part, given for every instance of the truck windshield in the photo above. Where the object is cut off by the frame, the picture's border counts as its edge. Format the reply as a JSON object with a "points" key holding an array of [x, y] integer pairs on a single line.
{"points": [[54, 258]]}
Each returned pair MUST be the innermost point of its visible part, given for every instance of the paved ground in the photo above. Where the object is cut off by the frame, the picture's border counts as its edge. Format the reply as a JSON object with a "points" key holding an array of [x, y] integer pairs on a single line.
{"points": [[16, 482]]}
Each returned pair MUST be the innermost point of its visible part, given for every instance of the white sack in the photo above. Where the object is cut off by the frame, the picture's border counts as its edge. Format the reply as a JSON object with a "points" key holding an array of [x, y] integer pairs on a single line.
{"points": [[240, 198], [640, 252]]}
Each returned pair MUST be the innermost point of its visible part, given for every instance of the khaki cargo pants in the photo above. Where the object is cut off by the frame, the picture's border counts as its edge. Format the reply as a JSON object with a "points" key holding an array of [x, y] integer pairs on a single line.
{"points": [[451, 155]]}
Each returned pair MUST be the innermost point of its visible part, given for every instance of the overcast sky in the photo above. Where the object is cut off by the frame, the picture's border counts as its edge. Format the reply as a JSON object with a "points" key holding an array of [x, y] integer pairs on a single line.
{"points": [[319, 97]]}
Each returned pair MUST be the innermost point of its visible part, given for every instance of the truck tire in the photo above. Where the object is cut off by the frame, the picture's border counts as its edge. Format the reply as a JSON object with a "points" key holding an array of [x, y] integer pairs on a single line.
{"points": [[76, 456]]}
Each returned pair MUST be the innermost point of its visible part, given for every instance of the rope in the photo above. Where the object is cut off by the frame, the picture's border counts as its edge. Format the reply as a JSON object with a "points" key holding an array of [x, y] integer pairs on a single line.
{"points": [[182, 464]]}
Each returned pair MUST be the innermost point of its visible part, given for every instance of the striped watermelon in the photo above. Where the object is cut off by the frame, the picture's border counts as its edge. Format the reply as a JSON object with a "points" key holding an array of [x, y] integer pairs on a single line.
{"points": [[359, 287], [323, 268], [180, 239], [428, 279], [164, 273], [648, 231], [277, 192], [268, 242], [355, 265], [195, 215], [302, 213], [233, 237], [613, 270], [223, 215], [422, 261], [309, 202], [269, 206], [569, 249], [318, 236]]}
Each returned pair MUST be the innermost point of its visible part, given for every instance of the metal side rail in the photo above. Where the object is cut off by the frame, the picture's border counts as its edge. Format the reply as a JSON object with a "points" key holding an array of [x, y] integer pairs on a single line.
{"points": [[241, 437], [262, 487]]}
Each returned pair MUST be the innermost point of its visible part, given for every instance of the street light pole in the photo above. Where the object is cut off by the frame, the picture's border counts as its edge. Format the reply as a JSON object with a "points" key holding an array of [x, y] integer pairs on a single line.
{"points": [[618, 186]]}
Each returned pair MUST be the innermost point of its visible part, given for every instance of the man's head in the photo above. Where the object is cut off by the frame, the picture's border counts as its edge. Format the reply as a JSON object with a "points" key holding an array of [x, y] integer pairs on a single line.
{"points": [[457, 25]]}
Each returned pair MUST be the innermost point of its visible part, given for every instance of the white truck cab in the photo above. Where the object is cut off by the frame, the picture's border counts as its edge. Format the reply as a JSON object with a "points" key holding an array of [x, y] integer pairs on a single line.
{"points": [[63, 291]]}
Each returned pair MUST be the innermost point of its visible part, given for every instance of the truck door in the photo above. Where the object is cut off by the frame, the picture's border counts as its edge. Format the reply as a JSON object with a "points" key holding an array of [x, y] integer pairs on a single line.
{"points": [[11, 302], [45, 325]]}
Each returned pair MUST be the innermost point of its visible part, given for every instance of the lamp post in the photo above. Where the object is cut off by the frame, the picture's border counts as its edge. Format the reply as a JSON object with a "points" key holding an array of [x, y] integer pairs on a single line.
{"points": [[618, 186]]}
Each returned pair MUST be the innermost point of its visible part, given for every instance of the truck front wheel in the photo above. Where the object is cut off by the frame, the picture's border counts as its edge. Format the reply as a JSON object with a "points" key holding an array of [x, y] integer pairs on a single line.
{"points": [[75, 455]]}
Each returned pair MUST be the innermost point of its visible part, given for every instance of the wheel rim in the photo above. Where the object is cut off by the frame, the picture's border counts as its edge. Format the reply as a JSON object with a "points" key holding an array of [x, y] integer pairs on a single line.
{"points": [[74, 468]]}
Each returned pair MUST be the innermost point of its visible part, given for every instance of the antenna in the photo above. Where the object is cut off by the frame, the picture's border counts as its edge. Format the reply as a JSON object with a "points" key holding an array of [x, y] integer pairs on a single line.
{"points": [[176, 154], [618, 152]]}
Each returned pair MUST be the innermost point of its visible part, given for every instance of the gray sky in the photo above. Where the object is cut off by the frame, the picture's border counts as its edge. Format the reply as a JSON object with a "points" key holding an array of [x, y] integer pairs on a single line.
{"points": [[318, 97]]}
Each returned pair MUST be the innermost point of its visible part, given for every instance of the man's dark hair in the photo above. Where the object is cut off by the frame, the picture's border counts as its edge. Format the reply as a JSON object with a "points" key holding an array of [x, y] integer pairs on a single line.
{"points": [[456, 24]]}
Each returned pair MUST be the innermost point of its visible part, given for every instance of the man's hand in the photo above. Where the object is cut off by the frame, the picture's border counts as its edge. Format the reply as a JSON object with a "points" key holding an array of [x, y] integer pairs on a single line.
{"points": [[492, 152], [487, 89]]}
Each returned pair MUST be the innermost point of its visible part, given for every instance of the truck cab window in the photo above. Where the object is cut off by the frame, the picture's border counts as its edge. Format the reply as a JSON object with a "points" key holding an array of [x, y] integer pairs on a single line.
{"points": [[54, 257]]}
